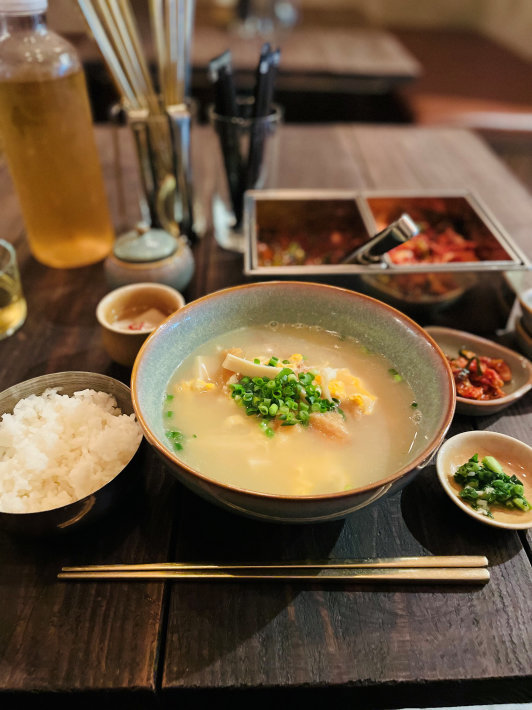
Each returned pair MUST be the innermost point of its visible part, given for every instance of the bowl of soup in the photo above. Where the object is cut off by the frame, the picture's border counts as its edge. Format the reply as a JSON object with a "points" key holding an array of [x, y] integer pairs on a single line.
{"points": [[292, 402]]}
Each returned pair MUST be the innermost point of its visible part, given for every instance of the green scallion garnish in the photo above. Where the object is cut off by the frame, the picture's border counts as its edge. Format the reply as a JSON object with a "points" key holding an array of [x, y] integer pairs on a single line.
{"points": [[176, 438], [395, 375], [288, 397], [485, 483]]}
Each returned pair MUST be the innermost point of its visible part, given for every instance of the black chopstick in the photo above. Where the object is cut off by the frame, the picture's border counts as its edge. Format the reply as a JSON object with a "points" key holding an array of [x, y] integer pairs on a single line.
{"points": [[243, 173], [225, 105], [264, 88], [221, 76]]}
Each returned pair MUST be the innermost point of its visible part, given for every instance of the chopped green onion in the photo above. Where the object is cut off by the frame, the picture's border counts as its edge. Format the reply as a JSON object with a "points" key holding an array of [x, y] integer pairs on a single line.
{"points": [[492, 464], [290, 397], [396, 376], [169, 397], [176, 438], [414, 405], [485, 484]]}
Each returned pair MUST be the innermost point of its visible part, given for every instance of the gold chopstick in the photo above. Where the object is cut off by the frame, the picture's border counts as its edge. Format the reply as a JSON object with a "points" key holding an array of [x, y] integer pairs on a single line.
{"points": [[441, 575], [429, 561]]}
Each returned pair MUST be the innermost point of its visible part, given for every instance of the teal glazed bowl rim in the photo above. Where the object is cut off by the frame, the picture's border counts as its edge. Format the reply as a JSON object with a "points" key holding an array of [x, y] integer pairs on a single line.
{"points": [[186, 315]]}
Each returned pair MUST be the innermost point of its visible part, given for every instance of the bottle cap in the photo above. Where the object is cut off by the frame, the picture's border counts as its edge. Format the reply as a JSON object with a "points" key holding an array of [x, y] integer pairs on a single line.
{"points": [[23, 7]]}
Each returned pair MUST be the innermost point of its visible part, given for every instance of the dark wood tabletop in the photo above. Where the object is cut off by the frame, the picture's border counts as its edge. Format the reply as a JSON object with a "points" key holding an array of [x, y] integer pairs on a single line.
{"points": [[145, 644]]}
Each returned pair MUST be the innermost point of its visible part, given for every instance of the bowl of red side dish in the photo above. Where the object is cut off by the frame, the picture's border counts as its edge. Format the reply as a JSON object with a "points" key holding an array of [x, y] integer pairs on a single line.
{"points": [[488, 377]]}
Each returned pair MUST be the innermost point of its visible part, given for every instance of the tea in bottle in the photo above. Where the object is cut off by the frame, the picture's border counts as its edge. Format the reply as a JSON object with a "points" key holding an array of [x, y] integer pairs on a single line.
{"points": [[47, 136]]}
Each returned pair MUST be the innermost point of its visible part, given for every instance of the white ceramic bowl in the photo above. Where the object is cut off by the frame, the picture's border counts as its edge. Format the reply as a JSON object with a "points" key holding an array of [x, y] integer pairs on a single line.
{"points": [[514, 456], [450, 341]]}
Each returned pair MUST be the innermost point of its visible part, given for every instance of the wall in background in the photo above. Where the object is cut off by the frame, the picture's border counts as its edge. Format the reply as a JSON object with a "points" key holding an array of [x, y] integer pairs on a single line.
{"points": [[413, 13], [510, 23], [506, 21]]}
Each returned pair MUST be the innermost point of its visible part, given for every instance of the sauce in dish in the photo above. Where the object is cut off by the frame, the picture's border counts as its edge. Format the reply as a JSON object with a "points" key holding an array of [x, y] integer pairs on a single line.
{"points": [[290, 410]]}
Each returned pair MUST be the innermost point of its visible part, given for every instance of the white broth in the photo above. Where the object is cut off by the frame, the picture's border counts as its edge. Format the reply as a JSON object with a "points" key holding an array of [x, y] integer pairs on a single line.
{"points": [[366, 436]]}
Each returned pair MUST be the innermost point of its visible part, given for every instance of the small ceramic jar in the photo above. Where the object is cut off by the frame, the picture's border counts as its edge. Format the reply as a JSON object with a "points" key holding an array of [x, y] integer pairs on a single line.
{"points": [[129, 314], [150, 255]]}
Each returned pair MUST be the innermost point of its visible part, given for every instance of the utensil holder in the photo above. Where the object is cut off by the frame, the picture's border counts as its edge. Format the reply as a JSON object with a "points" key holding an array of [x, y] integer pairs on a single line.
{"points": [[163, 151], [246, 158]]}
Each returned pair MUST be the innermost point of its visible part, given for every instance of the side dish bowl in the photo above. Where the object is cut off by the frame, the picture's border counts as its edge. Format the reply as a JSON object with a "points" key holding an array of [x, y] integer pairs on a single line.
{"points": [[122, 345], [515, 458], [91, 507], [379, 327], [450, 341]]}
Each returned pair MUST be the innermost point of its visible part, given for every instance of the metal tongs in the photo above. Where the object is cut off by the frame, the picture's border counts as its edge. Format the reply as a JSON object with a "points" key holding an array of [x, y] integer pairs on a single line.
{"points": [[374, 251]]}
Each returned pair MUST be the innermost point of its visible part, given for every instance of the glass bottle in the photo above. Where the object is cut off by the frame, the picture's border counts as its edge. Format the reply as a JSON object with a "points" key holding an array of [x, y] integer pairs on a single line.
{"points": [[47, 136]]}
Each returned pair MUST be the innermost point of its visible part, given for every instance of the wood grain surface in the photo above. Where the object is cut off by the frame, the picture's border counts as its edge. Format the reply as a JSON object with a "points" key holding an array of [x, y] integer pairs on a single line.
{"points": [[136, 645], [313, 59], [384, 647], [324, 59]]}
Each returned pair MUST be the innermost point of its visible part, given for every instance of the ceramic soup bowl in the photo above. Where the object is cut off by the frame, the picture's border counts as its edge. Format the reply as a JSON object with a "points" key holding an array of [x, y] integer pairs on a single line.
{"points": [[379, 327]]}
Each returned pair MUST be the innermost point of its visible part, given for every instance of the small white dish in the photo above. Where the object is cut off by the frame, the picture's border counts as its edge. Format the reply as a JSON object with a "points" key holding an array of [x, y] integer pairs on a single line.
{"points": [[450, 341], [515, 458]]}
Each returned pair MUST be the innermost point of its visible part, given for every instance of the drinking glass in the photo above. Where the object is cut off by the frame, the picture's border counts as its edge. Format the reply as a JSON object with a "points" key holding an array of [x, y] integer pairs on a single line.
{"points": [[246, 158], [12, 302]]}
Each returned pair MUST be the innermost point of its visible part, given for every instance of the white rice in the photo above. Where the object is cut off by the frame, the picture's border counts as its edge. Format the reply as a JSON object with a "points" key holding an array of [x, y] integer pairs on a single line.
{"points": [[56, 449]]}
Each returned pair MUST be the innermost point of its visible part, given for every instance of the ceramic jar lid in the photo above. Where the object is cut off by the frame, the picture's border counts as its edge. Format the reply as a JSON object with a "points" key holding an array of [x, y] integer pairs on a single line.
{"points": [[139, 246]]}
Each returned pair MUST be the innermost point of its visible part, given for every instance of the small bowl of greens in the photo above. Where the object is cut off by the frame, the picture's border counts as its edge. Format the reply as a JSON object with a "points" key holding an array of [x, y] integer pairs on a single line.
{"points": [[488, 476]]}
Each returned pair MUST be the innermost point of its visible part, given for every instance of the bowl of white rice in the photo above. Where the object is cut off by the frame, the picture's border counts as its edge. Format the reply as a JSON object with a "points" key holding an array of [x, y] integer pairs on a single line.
{"points": [[68, 444]]}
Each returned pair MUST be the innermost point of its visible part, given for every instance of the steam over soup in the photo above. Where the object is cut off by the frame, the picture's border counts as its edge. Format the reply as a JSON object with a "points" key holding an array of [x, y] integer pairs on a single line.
{"points": [[289, 410]]}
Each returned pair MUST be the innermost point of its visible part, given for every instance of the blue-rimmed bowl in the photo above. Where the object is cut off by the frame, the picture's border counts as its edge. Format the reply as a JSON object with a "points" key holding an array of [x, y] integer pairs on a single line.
{"points": [[379, 327]]}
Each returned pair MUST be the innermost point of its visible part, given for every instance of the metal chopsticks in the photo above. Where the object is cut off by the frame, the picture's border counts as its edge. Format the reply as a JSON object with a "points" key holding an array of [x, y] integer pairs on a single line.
{"points": [[440, 569]]}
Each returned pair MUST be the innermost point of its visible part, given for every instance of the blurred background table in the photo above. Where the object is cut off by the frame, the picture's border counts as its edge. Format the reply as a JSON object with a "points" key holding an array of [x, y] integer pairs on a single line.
{"points": [[142, 645], [333, 71], [358, 60]]}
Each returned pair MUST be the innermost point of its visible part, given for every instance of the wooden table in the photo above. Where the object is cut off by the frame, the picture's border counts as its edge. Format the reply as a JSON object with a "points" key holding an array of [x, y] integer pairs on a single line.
{"points": [[139, 644], [350, 59], [341, 73]]}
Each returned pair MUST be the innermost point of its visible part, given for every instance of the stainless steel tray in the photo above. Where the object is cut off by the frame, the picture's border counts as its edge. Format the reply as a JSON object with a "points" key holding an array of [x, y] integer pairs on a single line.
{"points": [[366, 216]]}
